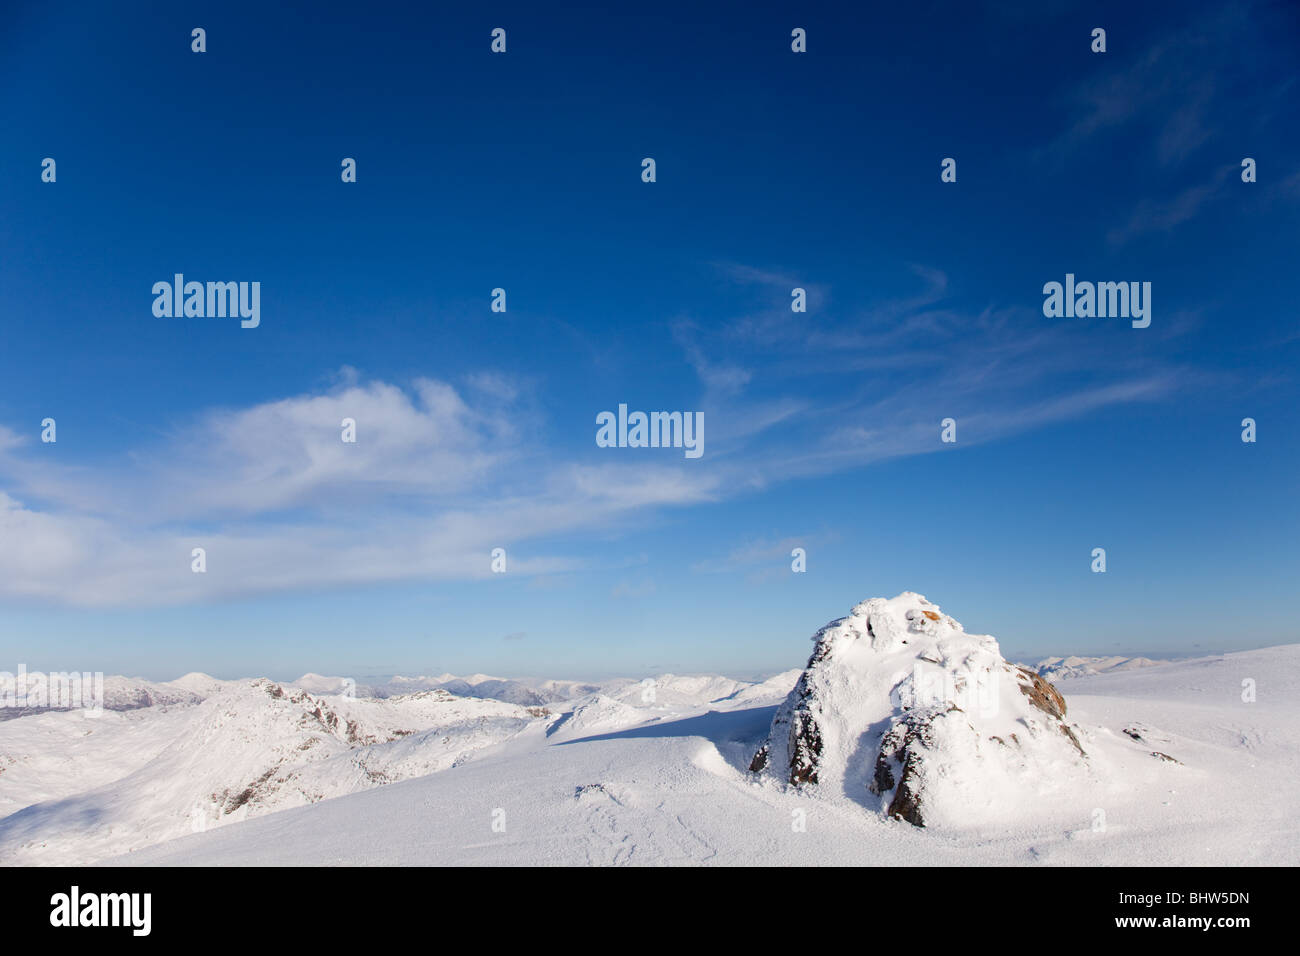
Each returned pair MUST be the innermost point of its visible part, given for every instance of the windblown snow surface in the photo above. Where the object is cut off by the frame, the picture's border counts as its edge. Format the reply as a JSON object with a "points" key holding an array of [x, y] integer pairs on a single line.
{"points": [[658, 773]]}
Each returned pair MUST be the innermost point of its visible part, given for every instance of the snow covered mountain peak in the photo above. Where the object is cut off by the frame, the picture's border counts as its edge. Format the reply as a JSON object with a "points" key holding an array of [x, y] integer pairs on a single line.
{"points": [[902, 709]]}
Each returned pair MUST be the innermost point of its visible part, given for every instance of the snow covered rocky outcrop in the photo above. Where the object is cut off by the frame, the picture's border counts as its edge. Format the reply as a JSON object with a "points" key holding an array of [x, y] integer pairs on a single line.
{"points": [[899, 708]]}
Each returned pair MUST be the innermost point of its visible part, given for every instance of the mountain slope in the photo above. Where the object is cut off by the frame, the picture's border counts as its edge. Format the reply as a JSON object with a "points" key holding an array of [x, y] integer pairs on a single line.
{"points": [[678, 791], [250, 749]]}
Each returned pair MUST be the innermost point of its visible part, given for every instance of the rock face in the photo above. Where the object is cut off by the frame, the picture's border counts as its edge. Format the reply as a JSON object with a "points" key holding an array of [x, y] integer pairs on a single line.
{"points": [[901, 710]]}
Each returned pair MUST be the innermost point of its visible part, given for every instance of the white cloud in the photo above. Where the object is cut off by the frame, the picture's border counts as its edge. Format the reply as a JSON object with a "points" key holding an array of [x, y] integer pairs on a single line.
{"points": [[438, 478], [279, 502]]}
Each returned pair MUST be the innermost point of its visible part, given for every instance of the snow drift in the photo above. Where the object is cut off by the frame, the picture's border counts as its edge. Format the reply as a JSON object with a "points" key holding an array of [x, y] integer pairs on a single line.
{"points": [[904, 711]]}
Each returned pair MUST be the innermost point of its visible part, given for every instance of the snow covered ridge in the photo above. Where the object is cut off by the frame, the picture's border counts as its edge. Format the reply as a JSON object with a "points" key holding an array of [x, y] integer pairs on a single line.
{"points": [[1065, 668], [208, 753], [132, 693], [74, 791], [36, 692], [899, 702]]}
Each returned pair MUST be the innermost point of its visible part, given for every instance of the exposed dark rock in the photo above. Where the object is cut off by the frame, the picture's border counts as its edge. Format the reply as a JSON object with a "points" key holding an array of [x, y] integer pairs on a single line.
{"points": [[805, 747], [902, 749], [906, 804], [1049, 700], [805, 738], [1041, 694]]}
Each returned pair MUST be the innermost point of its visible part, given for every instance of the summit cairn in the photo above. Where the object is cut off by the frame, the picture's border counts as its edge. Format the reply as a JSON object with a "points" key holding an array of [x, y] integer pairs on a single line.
{"points": [[901, 710]]}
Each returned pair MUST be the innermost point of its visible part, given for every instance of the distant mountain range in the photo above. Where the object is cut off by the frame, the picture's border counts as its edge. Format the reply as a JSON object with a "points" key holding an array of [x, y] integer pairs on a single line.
{"points": [[899, 727], [1065, 668]]}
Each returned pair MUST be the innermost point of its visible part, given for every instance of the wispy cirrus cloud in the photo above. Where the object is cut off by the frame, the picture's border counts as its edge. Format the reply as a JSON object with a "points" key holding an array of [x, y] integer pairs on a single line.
{"points": [[1171, 90], [279, 502], [440, 474], [1164, 214], [1179, 101], [837, 392]]}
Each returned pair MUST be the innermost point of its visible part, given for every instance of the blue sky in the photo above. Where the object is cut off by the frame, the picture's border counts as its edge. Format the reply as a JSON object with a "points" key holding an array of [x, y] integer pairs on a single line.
{"points": [[476, 429]]}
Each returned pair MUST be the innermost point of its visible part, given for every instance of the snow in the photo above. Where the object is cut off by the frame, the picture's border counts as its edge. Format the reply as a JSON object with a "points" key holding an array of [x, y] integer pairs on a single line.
{"points": [[598, 713], [899, 679], [614, 777], [1064, 668], [87, 787], [321, 685], [118, 693], [523, 691], [198, 683]]}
